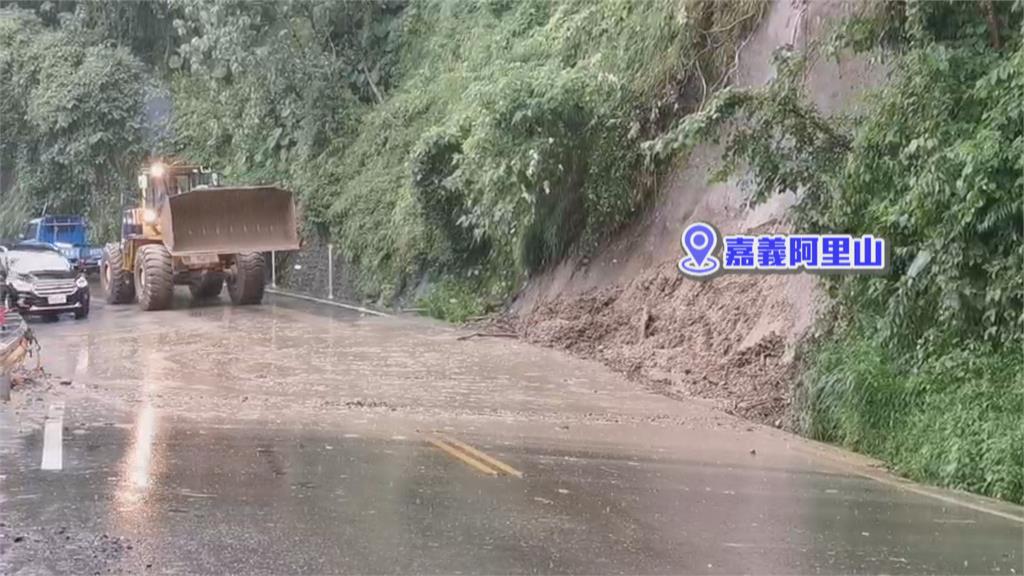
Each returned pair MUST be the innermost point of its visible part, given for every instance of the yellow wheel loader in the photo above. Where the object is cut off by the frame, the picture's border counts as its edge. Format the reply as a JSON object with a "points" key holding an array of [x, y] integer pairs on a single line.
{"points": [[187, 229]]}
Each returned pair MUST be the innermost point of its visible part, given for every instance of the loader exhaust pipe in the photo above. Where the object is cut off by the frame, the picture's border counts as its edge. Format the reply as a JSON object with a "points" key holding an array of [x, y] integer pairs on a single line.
{"points": [[229, 220]]}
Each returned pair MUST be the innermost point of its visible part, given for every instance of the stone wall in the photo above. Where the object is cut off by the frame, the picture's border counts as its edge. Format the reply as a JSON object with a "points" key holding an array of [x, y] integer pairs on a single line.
{"points": [[306, 271]]}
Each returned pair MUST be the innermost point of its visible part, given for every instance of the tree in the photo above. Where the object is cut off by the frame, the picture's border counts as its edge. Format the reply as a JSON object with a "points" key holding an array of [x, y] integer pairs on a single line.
{"points": [[72, 122]]}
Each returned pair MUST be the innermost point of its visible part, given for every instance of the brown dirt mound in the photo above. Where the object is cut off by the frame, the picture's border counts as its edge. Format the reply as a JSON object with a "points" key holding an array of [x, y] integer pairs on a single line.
{"points": [[679, 337]]}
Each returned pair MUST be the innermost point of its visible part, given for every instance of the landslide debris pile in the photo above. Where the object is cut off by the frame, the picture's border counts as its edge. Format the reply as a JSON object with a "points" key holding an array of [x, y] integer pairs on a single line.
{"points": [[680, 337]]}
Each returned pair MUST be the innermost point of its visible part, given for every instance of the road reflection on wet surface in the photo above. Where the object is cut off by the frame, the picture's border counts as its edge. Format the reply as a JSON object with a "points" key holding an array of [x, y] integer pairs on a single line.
{"points": [[292, 438]]}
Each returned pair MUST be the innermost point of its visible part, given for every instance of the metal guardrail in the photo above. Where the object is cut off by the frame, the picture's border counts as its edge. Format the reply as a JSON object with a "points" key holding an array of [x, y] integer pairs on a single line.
{"points": [[11, 332], [15, 340]]}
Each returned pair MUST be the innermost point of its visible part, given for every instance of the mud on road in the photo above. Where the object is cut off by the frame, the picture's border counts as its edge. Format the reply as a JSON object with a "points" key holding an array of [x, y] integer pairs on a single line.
{"points": [[296, 438]]}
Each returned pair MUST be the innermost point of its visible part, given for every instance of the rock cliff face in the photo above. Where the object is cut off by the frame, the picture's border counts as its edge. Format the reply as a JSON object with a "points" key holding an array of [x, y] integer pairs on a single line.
{"points": [[732, 339]]}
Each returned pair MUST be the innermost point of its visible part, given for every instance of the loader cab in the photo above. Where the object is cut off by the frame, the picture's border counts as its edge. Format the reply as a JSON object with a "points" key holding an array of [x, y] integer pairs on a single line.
{"points": [[160, 180]]}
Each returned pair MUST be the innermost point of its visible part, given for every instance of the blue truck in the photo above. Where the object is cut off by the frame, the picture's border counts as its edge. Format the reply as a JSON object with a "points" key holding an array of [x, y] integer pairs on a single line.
{"points": [[69, 234]]}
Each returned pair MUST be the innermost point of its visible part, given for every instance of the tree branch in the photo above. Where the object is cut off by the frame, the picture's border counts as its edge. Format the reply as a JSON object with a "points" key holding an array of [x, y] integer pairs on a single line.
{"points": [[373, 87], [993, 24]]}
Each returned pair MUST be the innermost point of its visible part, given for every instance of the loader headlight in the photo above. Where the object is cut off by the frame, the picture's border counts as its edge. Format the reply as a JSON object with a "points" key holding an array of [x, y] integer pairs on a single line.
{"points": [[81, 282], [156, 170], [149, 216]]}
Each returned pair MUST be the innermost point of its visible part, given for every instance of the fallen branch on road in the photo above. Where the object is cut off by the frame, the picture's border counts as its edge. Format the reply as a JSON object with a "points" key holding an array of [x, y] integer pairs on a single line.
{"points": [[488, 334]]}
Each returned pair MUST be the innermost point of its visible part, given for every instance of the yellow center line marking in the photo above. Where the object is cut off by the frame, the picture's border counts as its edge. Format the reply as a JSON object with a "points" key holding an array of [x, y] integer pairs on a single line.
{"points": [[448, 449], [482, 456]]}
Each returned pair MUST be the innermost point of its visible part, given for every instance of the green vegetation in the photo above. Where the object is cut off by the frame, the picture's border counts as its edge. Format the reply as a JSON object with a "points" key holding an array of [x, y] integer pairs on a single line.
{"points": [[475, 142], [955, 418], [478, 141], [923, 366], [458, 301], [72, 121]]}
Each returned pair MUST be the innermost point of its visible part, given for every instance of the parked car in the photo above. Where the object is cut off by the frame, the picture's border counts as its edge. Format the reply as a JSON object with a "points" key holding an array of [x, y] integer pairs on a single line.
{"points": [[39, 280], [68, 234]]}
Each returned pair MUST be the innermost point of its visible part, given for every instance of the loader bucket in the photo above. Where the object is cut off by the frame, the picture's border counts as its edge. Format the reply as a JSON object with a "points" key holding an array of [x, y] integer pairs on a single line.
{"points": [[229, 220]]}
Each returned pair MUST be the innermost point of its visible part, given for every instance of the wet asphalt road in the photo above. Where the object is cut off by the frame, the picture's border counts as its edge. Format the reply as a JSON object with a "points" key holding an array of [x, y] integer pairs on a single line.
{"points": [[295, 438]]}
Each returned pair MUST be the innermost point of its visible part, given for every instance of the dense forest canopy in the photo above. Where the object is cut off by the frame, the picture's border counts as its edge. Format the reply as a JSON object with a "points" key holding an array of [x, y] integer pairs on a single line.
{"points": [[71, 115]]}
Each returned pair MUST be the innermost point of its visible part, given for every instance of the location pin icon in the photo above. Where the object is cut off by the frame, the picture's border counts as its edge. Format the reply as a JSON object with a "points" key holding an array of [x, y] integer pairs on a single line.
{"points": [[699, 239]]}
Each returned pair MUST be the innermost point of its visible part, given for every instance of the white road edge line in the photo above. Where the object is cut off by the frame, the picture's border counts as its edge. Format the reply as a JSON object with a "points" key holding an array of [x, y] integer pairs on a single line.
{"points": [[53, 438], [956, 498], [328, 302]]}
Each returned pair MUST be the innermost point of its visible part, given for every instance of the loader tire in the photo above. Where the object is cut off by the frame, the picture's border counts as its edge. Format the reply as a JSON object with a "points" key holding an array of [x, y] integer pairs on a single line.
{"points": [[245, 286], [118, 284], [206, 285], [154, 277]]}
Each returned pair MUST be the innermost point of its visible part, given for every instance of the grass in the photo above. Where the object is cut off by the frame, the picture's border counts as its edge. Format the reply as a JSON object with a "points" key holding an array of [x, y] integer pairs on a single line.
{"points": [[461, 298], [955, 419]]}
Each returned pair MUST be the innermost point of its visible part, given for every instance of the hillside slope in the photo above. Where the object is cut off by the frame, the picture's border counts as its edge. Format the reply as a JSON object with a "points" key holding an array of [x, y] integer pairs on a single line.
{"points": [[731, 340]]}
